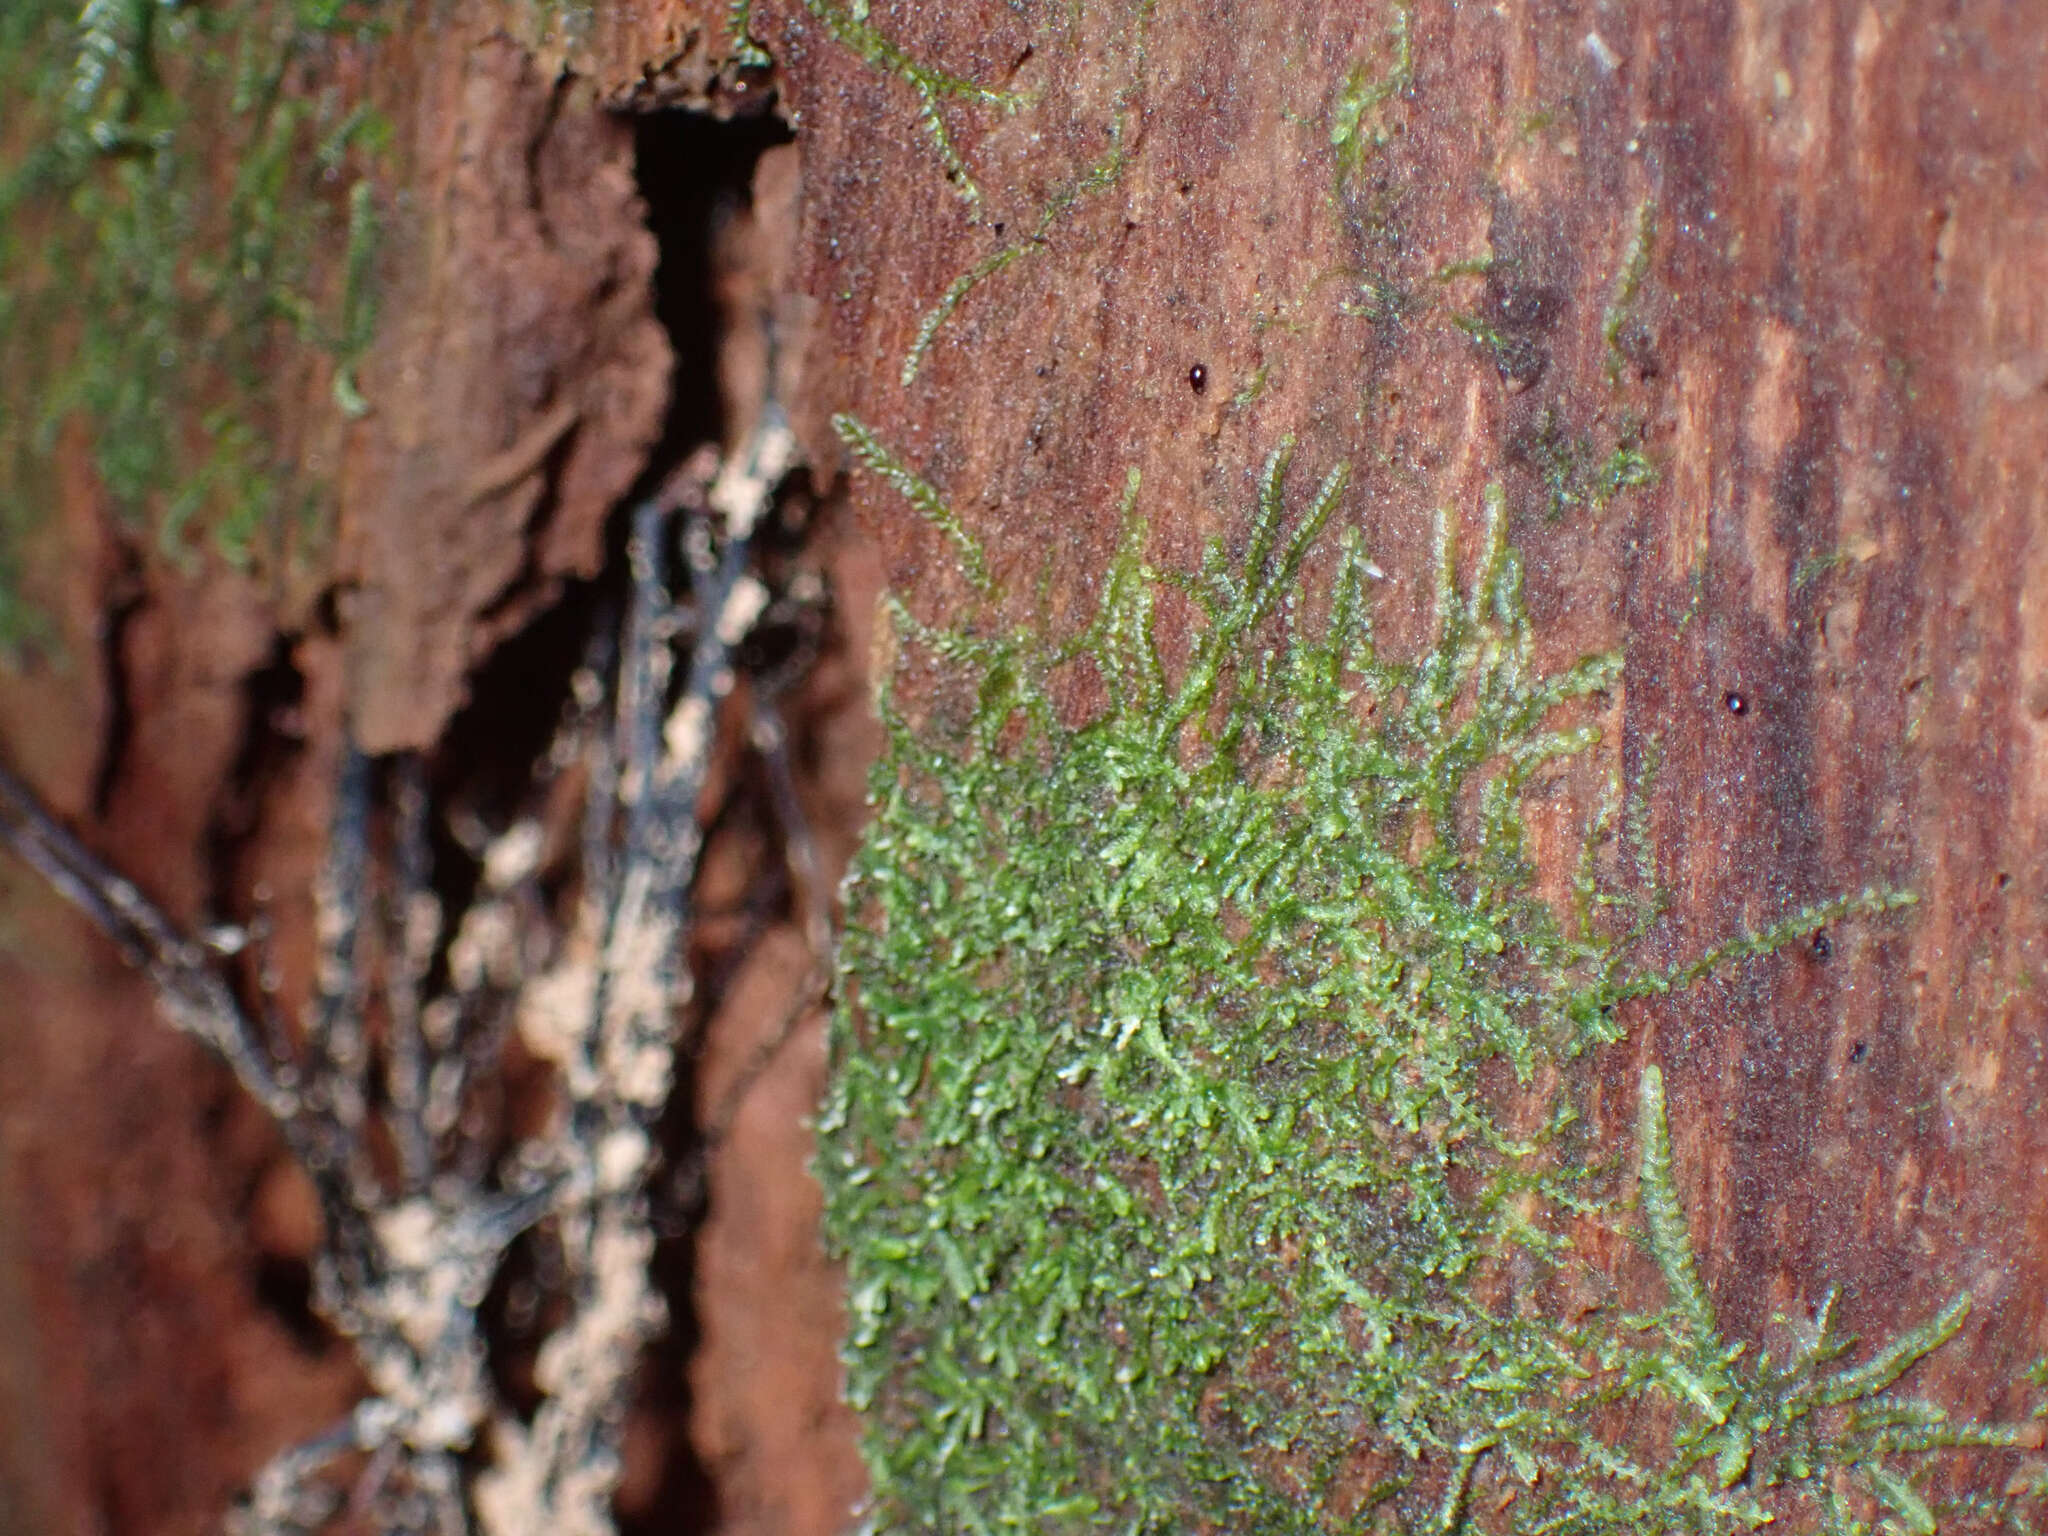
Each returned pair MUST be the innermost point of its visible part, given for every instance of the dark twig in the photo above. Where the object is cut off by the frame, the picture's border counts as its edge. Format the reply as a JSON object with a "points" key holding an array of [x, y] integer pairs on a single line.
{"points": [[191, 995]]}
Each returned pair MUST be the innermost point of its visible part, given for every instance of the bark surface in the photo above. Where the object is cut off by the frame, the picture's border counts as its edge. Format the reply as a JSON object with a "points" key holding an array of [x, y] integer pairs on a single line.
{"points": [[1746, 306], [1792, 257]]}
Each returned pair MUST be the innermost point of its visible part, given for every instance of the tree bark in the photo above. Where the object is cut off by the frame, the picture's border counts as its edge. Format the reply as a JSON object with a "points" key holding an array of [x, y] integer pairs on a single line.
{"points": [[1745, 307], [1793, 258]]}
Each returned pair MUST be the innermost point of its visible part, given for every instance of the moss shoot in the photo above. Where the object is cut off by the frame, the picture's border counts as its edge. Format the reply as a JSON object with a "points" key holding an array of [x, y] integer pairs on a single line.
{"points": [[1197, 1143]]}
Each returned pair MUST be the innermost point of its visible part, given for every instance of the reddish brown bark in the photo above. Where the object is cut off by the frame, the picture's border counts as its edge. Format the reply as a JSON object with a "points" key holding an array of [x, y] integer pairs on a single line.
{"points": [[190, 720], [1833, 601]]}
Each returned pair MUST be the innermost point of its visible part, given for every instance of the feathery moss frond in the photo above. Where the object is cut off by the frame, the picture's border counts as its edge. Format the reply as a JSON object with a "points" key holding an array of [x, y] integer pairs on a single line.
{"points": [[1160, 1143]]}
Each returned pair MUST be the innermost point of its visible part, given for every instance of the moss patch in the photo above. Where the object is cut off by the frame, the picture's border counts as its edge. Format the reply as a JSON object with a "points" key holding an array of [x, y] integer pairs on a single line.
{"points": [[1200, 1145], [185, 235]]}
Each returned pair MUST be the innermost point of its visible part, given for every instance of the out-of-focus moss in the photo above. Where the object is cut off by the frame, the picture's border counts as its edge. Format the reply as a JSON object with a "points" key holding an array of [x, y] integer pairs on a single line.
{"points": [[186, 237]]}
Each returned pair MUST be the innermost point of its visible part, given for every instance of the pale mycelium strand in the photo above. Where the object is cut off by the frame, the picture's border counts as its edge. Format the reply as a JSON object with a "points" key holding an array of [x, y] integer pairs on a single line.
{"points": [[411, 1254]]}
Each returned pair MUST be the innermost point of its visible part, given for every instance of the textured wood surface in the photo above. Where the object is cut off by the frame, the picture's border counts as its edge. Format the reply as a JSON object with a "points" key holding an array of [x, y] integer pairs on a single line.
{"points": [[1833, 599]]}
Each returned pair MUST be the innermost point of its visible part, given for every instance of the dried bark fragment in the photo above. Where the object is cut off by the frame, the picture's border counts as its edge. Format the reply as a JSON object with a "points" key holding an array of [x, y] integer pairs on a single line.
{"points": [[518, 384]]}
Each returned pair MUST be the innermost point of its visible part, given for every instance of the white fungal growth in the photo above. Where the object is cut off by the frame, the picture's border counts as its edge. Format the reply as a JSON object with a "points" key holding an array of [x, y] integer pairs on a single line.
{"points": [[412, 1252]]}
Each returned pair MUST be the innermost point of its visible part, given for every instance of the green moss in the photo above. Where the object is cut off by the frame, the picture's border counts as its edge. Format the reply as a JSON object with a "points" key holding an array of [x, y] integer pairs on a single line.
{"points": [[1628, 287], [1511, 352], [739, 28], [1365, 114], [1470, 266], [1254, 387], [1360, 125], [1575, 474], [559, 25], [1197, 1142], [170, 185], [848, 23], [1093, 178], [1815, 568]]}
